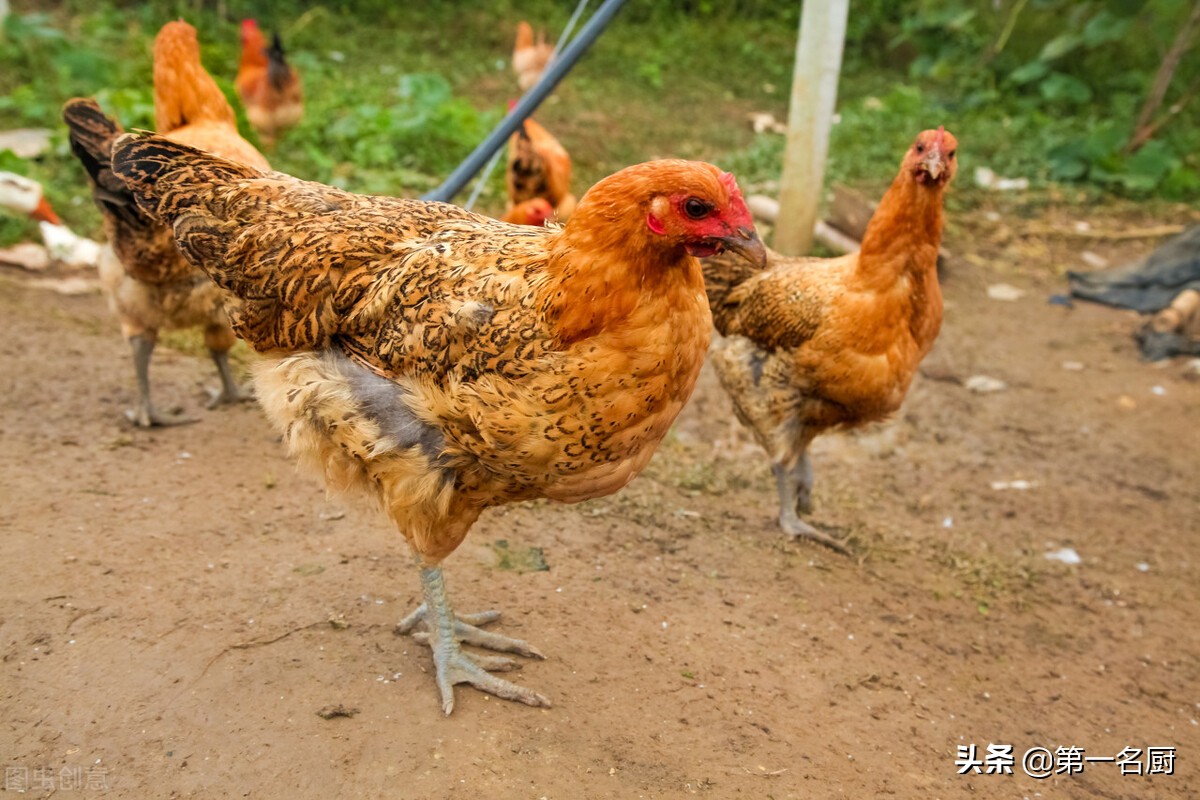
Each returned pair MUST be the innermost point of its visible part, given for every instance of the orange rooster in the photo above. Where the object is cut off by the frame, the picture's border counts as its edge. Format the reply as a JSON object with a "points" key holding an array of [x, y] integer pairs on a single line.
{"points": [[270, 89], [815, 344], [530, 57], [442, 362], [538, 166], [149, 283]]}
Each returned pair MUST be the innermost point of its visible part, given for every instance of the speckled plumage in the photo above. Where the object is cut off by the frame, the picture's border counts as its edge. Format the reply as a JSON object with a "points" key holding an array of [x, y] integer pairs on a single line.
{"points": [[812, 344]]}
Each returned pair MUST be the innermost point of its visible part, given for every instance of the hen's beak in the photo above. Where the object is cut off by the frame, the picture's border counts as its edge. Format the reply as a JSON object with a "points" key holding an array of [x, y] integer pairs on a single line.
{"points": [[747, 245], [934, 162]]}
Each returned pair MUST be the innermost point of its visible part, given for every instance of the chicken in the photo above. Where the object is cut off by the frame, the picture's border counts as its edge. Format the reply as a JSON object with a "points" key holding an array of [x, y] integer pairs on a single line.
{"points": [[443, 362], [150, 285], [816, 344], [530, 58], [530, 212], [24, 196], [538, 166], [270, 89]]}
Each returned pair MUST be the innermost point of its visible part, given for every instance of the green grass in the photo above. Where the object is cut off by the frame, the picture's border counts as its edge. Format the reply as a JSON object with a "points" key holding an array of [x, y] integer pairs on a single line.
{"points": [[398, 94]]}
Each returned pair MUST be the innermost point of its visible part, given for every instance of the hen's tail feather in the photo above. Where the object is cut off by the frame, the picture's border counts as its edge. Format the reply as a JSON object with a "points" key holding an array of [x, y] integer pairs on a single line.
{"points": [[92, 135]]}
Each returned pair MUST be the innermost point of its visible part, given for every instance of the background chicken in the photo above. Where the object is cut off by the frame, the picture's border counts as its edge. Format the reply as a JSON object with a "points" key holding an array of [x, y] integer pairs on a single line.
{"points": [[443, 362], [530, 57], [270, 89], [538, 167], [530, 212], [814, 344], [149, 283]]}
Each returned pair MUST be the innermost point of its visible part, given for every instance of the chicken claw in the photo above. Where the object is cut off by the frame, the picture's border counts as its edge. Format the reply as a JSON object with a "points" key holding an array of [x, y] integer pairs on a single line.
{"points": [[444, 631], [797, 528], [144, 415]]}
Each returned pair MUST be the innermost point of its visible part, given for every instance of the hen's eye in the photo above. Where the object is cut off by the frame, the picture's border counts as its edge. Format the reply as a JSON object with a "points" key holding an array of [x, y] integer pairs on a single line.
{"points": [[952, 152], [696, 208], [920, 147]]}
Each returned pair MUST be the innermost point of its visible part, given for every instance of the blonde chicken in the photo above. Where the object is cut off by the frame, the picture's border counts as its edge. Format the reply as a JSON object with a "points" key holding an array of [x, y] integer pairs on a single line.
{"points": [[530, 56], [269, 87], [442, 362], [150, 285], [538, 168], [813, 344]]}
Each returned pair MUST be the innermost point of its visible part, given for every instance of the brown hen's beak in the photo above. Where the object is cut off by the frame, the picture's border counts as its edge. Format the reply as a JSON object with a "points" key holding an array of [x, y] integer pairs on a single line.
{"points": [[934, 163], [747, 245]]}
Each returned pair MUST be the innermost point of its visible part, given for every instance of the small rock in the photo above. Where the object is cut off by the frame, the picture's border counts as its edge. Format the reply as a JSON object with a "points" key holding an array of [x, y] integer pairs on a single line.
{"points": [[1073, 366], [1066, 555], [1126, 402], [984, 384], [1005, 292], [1142, 566], [1094, 260], [1158, 390]]}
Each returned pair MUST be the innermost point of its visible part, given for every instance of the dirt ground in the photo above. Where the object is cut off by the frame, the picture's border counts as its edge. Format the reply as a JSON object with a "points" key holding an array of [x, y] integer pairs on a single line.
{"points": [[178, 605]]}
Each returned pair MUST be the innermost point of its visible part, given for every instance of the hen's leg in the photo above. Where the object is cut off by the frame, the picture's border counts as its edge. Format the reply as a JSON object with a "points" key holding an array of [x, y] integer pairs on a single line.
{"points": [[795, 495], [231, 391], [219, 338], [444, 631], [144, 415]]}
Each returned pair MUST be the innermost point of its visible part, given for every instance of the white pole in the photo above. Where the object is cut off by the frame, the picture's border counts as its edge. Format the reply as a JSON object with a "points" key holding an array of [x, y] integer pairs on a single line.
{"points": [[814, 95]]}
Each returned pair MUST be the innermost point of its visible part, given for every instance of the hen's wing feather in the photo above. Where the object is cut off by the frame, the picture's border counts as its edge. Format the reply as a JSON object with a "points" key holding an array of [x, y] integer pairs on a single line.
{"points": [[404, 286], [781, 307]]}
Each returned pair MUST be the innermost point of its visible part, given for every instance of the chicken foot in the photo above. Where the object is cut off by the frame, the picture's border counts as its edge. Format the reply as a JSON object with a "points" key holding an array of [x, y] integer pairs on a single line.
{"points": [[231, 391], [144, 415], [795, 495], [444, 631]]}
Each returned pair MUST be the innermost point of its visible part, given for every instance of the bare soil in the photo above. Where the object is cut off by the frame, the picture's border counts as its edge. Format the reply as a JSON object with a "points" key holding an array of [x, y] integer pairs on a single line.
{"points": [[184, 615]]}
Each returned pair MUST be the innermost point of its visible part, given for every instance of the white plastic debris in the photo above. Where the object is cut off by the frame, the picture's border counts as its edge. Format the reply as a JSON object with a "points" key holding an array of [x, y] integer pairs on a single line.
{"points": [[1158, 390], [948, 522], [1019, 485], [1073, 366], [1142, 566], [986, 178], [1005, 292], [984, 384], [66, 246], [1066, 555]]}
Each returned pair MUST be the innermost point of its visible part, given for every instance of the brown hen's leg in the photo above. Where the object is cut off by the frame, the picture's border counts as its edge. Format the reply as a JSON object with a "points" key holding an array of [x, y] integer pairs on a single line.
{"points": [[795, 495], [144, 415], [231, 391], [444, 631], [219, 339]]}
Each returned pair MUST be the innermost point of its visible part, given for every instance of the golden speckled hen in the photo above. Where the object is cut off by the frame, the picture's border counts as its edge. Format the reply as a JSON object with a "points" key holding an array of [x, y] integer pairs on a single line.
{"points": [[443, 362], [150, 285], [815, 344]]}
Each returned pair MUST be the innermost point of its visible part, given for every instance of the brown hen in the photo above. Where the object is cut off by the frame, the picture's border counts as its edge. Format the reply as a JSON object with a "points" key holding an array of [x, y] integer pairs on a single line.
{"points": [[442, 362], [269, 87], [530, 56], [150, 285], [539, 167], [814, 344]]}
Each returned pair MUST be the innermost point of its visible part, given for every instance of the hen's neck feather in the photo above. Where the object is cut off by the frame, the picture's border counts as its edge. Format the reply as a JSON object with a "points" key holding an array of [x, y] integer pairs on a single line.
{"points": [[904, 233]]}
